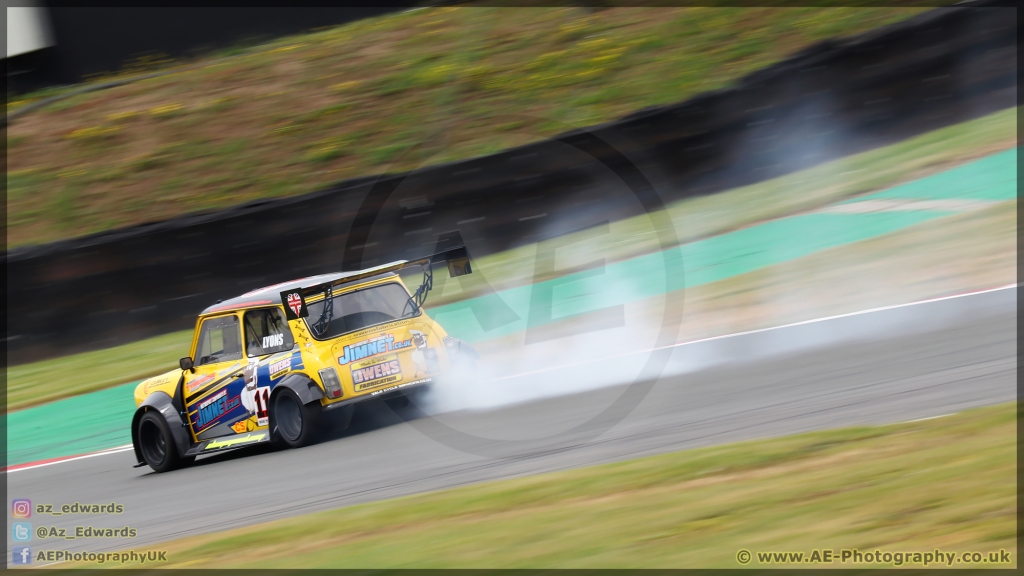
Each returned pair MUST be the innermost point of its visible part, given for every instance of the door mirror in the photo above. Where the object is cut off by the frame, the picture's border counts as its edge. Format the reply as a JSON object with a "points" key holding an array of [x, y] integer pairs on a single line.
{"points": [[459, 267], [186, 364], [457, 259]]}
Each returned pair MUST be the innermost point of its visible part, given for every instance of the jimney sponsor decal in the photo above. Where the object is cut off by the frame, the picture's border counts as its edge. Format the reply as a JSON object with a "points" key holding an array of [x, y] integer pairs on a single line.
{"points": [[214, 407], [366, 348]]}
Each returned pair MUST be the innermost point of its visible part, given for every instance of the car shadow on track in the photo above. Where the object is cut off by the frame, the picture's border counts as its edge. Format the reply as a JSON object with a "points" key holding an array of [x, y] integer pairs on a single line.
{"points": [[367, 417]]}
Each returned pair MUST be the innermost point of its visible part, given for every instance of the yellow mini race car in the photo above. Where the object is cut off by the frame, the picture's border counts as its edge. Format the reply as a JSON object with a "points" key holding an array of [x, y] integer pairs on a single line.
{"points": [[266, 366]]}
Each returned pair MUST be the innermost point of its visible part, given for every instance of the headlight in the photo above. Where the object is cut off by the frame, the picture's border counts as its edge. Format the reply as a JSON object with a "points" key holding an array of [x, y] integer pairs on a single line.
{"points": [[331, 383]]}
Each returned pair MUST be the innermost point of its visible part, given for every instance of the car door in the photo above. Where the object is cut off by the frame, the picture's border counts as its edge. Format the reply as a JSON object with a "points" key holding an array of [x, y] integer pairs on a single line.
{"points": [[270, 355], [212, 399]]}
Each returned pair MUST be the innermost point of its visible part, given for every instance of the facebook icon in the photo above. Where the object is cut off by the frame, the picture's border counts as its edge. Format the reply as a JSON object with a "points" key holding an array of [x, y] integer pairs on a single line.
{"points": [[21, 555]]}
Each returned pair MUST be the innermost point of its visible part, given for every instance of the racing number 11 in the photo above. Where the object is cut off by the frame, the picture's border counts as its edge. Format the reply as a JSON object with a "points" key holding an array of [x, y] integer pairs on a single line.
{"points": [[262, 401]]}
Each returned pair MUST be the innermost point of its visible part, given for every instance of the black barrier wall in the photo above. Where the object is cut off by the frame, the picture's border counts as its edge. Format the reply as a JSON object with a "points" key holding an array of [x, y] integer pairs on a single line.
{"points": [[834, 99]]}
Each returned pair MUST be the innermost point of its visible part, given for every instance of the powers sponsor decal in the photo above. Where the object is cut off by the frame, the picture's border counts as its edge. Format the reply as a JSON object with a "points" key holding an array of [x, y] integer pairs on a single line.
{"points": [[376, 372], [279, 367]]}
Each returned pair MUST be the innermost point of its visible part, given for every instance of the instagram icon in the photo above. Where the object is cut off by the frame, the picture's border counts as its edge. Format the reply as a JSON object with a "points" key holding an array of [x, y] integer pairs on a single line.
{"points": [[21, 508]]}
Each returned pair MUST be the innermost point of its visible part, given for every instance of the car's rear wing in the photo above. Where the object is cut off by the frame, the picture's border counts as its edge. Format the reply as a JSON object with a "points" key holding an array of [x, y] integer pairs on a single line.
{"points": [[456, 258]]}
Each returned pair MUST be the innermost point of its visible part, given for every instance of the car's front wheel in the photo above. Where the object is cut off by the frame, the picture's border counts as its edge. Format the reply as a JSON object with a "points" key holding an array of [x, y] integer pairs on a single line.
{"points": [[157, 444], [294, 423]]}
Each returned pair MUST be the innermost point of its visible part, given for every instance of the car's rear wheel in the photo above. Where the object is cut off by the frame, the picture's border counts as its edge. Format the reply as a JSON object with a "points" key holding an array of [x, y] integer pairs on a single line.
{"points": [[294, 423], [157, 444]]}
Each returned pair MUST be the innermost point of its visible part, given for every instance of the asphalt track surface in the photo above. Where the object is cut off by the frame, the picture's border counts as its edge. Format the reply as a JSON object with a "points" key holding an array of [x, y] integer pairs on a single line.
{"points": [[891, 365]]}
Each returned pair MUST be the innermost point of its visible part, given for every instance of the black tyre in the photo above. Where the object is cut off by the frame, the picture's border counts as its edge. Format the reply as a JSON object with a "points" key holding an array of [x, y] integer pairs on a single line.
{"points": [[293, 423], [157, 444]]}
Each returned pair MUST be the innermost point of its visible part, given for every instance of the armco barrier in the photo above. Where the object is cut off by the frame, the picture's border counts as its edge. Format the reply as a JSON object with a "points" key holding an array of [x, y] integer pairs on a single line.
{"points": [[833, 99]]}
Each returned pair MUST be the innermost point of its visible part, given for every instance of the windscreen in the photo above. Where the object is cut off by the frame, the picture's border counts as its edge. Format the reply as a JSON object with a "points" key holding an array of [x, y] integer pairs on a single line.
{"points": [[218, 341], [362, 308]]}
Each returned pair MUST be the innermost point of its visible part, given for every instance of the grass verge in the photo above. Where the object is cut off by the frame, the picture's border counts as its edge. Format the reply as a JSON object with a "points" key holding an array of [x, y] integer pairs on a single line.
{"points": [[947, 483], [313, 109]]}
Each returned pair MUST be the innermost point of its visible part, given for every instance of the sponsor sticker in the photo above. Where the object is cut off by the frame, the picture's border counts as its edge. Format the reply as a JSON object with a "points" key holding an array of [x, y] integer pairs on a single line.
{"points": [[154, 384], [198, 383], [376, 372], [294, 304], [262, 399], [277, 369], [239, 427], [400, 386], [235, 441], [390, 326], [380, 344], [212, 408], [212, 399], [205, 379]]}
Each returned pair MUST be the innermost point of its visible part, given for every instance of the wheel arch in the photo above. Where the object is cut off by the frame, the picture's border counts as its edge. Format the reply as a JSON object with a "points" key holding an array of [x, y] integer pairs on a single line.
{"points": [[304, 387], [162, 403]]}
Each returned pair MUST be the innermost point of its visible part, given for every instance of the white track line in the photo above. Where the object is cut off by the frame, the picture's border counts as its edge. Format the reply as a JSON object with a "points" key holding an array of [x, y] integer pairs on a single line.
{"points": [[836, 317], [931, 417], [30, 466], [127, 447]]}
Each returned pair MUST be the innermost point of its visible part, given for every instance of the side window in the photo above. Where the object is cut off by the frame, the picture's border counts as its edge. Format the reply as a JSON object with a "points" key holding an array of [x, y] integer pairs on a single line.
{"points": [[219, 341], [266, 332]]}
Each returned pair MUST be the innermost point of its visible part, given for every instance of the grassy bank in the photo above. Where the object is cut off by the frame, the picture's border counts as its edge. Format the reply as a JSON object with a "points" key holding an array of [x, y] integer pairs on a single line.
{"points": [[347, 101], [975, 250], [946, 483]]}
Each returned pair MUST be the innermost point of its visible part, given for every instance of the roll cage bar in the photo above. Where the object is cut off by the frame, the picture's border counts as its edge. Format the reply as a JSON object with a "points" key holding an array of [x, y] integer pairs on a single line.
{"points": [[457, 260]]}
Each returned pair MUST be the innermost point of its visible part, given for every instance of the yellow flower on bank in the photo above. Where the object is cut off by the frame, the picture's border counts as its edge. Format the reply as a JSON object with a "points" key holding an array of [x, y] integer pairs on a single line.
{"points": [[92, 132], [166, 109], [343, 86], [123, 115]]}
